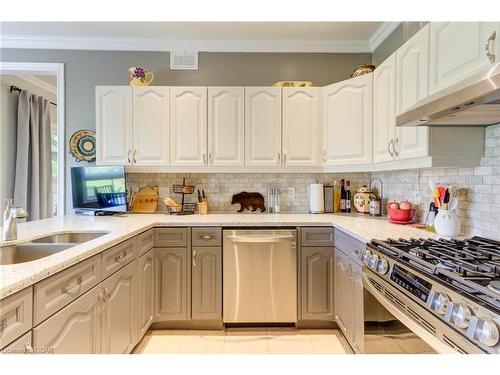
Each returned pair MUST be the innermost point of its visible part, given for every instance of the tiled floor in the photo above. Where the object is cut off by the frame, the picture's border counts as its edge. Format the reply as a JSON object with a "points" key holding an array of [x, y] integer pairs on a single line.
{"points": [[244, 341]]}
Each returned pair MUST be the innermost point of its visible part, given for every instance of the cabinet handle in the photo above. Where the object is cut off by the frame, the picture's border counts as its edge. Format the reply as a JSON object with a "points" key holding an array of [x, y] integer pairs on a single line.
{"points": [[324, 156], [3, 324], [389, 147], [128, 157], [101, 299], [106, 295], [135, 160], [489, 53], [69, 287], [284, 157], [279, 157], [210, 157], [206, 237], [120, 257], [28, 348], [204, 156], [396, 142], [194, 258]]}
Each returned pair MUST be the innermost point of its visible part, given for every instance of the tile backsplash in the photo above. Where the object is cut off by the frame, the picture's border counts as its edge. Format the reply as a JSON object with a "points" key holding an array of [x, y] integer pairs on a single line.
{"points": [[219, 187], [478, 188]]}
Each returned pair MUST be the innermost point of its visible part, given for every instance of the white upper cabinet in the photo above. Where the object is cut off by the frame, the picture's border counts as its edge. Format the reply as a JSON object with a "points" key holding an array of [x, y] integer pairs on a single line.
{"points": [[457, 51], [151, 125], [263, 126], [384, 111], [188, 126], [347, 121], [300, 126], [114, 125], [226, 125]]}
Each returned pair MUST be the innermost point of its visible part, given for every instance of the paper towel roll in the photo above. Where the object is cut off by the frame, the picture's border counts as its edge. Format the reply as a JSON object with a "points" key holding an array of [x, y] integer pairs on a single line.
{"points": [[316, 199]]}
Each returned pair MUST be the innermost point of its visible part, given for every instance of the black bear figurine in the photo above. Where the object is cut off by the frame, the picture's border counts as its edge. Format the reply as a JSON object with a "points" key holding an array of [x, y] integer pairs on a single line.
{"points": [[247, 200]]}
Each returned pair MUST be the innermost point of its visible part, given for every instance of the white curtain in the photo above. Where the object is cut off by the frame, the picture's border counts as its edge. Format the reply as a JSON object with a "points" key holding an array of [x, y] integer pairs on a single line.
{"points": [[33, 181]]}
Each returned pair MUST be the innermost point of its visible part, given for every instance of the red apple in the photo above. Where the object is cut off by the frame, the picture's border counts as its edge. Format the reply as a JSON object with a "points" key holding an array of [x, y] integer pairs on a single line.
{"points": [[394, 205], [405, 205]]}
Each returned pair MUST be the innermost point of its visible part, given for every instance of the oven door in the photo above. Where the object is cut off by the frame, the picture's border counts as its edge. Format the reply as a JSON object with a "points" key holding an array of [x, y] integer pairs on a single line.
{"points": [[386, 329]]}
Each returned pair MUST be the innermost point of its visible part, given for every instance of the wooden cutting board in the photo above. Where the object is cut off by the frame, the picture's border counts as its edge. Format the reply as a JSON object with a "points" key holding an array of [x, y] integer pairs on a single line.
{"points": [[145, 201]]}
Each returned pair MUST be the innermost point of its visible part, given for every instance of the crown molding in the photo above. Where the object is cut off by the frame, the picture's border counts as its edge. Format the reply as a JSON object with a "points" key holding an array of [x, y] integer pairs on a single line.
{"points": [[151, 44], [40, 83], [381, 34]]}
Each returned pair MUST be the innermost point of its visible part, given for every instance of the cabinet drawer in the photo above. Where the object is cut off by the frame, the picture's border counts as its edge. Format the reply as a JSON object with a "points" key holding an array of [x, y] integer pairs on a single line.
{"points": [[57, 291], [21, 346], [16, 316], [343, 242], [170, 237], [206, 236], [317, 237], [145, 242], [118, 256]]}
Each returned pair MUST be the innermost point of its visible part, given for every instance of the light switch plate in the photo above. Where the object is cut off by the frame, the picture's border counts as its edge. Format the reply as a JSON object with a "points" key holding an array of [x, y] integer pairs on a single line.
{"points": [[291, 192]]}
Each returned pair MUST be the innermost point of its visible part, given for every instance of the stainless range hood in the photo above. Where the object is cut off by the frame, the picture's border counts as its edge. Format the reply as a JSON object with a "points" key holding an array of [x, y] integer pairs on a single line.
{"points": [[474, 101]]}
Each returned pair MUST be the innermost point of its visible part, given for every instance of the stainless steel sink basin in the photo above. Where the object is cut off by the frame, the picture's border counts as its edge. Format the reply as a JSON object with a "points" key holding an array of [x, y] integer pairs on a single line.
{"points": [[70, 237], [29, 251]]}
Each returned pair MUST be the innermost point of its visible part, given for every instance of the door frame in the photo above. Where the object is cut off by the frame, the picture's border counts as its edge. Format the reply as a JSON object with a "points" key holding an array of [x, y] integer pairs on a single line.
{"points": [[55, 69]]}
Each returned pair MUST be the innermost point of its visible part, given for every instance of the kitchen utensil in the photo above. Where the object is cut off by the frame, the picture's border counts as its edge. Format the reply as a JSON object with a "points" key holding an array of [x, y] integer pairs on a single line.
{"points": [[447, 223], [199, 195], [442, 192], [316, 199], [145, 201]]}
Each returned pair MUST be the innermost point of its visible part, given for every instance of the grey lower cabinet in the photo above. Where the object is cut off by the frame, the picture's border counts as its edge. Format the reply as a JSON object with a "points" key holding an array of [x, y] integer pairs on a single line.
{"points": [[118, 333], [206, 290], [317, 283], [172, 283], [76, 329], [349, 299], [145, 288]]}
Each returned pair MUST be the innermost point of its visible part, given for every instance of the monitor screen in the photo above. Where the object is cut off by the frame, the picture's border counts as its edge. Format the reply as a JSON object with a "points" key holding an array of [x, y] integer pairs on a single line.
{"points": [[99, 188]]}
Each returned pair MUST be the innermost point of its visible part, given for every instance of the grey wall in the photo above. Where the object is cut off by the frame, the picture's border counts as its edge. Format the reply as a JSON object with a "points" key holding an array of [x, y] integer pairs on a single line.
{"points": [[86, 69], [398, 37], [8, 139]]}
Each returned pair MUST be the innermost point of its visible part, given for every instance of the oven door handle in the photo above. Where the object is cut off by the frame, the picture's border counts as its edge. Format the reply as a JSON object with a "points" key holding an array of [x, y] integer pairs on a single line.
{"points": [[430, 339]]}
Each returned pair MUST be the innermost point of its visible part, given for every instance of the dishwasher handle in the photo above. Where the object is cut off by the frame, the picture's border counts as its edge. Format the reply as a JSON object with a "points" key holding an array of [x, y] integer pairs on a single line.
{"points": [[262, 239]]}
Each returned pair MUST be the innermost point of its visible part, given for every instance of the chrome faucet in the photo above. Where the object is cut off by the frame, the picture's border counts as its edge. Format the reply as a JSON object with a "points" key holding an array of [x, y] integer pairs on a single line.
{"points": [[10, 216]]}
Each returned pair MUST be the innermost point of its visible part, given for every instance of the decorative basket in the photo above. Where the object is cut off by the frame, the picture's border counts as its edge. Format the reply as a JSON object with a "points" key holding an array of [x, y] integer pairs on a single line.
{"points": [[184, 209]]}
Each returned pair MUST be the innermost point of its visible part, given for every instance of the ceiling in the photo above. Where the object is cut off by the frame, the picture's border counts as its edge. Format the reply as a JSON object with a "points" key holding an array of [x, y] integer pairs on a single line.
{"points": [[198, 36]]}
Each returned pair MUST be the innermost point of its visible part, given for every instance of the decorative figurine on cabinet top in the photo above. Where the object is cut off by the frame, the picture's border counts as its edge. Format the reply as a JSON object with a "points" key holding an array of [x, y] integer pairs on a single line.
{"points": [[139, 76], [247, 200]]}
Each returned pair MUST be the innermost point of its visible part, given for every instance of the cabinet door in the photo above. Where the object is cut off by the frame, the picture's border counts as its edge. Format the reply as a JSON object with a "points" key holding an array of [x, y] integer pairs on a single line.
{"points": [[301, 137], [113, 125], [226, 125], [119, 322], [263, 126], [412, 77], [171, 283], [188, 125], [317, 283], [341, 291], [358, 310], [151, 125], [76, 329], [145, 291], [384, 111], [207, 283], [457, 51], [348, 121]]}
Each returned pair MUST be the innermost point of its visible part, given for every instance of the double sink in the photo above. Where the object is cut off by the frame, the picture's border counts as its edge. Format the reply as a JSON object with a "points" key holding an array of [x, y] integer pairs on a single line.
{"points": [[44, 246]]}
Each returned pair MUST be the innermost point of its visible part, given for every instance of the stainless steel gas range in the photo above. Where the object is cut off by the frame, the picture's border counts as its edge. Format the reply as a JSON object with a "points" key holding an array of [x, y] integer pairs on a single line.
{"points": [[447, 292]]}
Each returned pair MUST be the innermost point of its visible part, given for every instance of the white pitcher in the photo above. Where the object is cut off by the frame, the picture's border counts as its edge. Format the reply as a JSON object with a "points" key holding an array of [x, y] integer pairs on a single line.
{"points": [[447, 223]]}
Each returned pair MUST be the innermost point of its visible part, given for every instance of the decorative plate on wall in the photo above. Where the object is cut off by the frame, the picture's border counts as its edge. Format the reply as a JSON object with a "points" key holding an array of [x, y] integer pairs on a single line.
{"points": [[82, 145]]}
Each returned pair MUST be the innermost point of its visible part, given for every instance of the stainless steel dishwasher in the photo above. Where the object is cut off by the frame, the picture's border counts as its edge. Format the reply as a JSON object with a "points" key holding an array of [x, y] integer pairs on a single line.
{"points": [[260, 276]]}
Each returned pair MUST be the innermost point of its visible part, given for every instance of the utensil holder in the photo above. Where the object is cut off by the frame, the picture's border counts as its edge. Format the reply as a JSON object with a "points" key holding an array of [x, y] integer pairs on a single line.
{"points": [[203, 207], [447, 223]]}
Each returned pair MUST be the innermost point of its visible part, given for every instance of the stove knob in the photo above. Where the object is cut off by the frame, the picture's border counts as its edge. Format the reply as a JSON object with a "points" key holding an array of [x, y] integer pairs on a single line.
{"points": [[365, 257], [373, 262], [460, 315], [440, 303], [382, 267], [483, 330]]}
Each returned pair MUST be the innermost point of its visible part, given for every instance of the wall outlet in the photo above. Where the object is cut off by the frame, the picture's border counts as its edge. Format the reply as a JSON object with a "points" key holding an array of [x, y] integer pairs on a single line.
{"points": [[291, 192]]}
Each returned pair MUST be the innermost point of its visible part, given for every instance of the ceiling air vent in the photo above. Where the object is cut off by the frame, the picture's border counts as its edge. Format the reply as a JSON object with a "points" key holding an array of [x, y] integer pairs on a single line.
{"points": [[184, 60]]}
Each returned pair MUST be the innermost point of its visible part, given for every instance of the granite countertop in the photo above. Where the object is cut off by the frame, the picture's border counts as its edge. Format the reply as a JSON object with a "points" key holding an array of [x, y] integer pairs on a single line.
{"points": [[18, 276]]}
